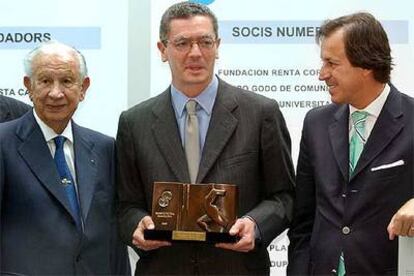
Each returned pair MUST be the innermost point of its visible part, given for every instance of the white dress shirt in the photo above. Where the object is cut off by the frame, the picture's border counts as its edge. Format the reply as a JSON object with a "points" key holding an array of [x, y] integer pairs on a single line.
{"points": [[49, 134], [373, 109]]}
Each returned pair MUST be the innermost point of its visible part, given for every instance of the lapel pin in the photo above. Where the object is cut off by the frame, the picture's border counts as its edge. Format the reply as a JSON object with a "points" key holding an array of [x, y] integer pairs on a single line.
{"points": [[66, 182]]}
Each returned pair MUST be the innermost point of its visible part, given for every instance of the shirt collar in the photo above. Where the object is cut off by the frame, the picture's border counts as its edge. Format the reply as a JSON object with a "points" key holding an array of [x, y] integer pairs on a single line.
{"points": [[205, 99], [375, 107], [49, 133]]}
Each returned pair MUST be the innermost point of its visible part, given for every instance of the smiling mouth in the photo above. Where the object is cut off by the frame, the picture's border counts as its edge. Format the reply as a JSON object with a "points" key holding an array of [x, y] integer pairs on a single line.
{"points": [[331, 86], [55, 107]]}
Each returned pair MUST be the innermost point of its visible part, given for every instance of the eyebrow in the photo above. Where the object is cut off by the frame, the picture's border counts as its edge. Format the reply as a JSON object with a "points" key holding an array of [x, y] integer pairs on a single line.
{"points": [[198, 37]]}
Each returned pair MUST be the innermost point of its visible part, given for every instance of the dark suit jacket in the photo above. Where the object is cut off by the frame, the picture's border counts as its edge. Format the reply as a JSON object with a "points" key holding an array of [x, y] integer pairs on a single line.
{"points": [[247, 144], [327, 200], [11, 109], [38, 232]]}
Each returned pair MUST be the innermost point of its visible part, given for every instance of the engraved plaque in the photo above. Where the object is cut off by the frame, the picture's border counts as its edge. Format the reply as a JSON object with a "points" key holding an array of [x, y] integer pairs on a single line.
{"points": [[195, 212]]}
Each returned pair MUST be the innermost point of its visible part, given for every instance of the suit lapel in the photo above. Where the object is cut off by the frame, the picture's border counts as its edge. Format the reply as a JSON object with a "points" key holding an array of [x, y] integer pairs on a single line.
{"points": [[35, 152], [167, 137], [221, 127], [338, 134], [85, 165], [390, 119]]}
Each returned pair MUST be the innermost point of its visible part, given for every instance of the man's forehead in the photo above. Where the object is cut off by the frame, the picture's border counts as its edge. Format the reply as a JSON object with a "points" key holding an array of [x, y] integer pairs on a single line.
{"points": [[47, 64], [196, 24]]}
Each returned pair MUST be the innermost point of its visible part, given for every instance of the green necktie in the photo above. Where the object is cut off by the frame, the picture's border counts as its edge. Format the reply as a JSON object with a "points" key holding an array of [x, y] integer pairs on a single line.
{"points": [[356, 145]]}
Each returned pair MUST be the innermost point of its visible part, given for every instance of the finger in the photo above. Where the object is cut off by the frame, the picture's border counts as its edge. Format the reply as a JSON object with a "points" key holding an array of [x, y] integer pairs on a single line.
{"points": [[232, 246], [245, 244], [151, 245], [411, 231], [236, 228], [140, 242], [405, 227], [390, 229], [397, 225], [138, 236], [147, 222]]}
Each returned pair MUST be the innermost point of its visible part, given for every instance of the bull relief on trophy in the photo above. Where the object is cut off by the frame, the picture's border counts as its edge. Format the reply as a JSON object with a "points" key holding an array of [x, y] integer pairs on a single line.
{"points": [[193, 212]]}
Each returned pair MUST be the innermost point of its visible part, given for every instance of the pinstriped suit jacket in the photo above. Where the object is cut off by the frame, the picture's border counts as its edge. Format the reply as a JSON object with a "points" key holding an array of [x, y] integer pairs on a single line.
{"points": [[11, 109], [247, 144]]}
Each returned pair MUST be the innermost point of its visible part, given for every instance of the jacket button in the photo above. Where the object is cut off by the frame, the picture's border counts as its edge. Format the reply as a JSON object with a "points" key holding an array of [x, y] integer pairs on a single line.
{"points": [[346, 230]]}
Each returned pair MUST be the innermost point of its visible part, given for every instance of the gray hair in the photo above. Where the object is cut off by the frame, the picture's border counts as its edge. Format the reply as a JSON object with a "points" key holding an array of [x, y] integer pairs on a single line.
{"points": [[52, 46], [184, 10]]}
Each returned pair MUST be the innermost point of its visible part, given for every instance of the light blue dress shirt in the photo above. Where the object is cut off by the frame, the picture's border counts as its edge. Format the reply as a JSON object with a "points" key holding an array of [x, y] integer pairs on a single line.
{"points": [[204, 108]]}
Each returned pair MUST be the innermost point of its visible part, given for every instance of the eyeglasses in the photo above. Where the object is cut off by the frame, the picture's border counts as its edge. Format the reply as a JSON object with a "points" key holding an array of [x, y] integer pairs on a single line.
{"points": [[186, 44], [48, 83]]}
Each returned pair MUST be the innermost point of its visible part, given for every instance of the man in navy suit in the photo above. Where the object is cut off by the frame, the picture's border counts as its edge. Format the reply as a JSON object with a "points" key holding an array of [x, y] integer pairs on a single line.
{"points": [[355, 169], [57, 179], [11, 109]]}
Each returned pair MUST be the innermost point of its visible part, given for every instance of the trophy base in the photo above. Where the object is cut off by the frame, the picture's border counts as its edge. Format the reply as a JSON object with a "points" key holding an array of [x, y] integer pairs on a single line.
{"points": [[193, 236]]}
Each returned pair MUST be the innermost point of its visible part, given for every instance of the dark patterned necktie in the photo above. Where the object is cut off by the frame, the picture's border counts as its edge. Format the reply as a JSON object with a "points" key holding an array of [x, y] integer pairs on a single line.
{"points": [[66, 179]]}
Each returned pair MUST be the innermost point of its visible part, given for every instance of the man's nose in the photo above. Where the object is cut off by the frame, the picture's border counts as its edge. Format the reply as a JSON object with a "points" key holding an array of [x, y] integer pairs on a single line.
{"points": [[56, 90], [195, 48], [323, 73]]}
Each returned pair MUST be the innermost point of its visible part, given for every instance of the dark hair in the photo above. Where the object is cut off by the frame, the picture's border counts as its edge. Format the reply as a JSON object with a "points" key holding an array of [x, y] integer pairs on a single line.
{"points": [[184, 10], [366, 43]]}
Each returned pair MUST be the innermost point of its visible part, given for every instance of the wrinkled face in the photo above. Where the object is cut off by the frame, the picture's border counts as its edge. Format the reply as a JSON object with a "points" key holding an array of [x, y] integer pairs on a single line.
{"points": [[191, 50], [55, 88], [344, 80]]}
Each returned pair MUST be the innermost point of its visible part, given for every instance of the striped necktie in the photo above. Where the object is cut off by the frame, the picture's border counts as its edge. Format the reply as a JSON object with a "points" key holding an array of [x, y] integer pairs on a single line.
{"points": [[357, 142]]}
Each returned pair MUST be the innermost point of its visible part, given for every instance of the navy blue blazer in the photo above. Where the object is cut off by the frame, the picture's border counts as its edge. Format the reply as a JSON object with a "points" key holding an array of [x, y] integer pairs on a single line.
{"points": [[335, 214], [38, 232]]}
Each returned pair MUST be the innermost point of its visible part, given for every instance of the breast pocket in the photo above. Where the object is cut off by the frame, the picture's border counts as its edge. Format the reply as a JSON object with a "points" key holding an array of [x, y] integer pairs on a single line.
{"points": [[384, 173]]}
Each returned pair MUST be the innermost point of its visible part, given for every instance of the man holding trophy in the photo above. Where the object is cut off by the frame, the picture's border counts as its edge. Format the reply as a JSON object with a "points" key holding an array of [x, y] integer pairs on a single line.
{"points": [[178, 148]]}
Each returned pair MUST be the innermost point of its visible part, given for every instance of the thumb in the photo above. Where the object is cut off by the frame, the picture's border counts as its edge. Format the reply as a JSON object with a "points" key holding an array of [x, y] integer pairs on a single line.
{"points": [[148, 223], [390, 230], [236, 228]]}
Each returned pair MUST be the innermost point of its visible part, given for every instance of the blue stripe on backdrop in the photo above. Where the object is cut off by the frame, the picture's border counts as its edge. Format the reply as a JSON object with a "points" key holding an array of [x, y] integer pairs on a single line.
{"points": [[293, 31], [29, 37]]}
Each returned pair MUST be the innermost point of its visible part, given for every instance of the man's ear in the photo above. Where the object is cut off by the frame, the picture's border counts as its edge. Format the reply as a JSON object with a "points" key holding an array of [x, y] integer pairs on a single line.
{"points": [[85, 85], [163, 51], [367, 72], [28, 84]]}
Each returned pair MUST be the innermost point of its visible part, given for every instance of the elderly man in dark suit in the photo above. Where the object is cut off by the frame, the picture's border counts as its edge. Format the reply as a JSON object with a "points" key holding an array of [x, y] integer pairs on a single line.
{"points": [[242, 139], [354, 185], [57, 179], [11, 109]]}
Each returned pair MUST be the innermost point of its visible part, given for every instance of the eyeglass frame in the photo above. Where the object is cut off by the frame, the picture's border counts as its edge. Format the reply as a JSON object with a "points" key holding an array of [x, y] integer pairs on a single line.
{"points": [[192, 42]]}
